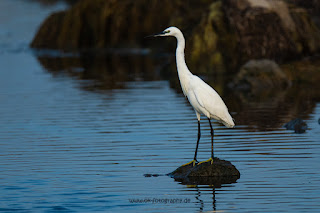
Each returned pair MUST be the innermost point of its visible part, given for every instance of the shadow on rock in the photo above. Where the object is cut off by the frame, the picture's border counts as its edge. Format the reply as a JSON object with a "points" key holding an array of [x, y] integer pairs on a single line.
{"points": [[215, 174]]}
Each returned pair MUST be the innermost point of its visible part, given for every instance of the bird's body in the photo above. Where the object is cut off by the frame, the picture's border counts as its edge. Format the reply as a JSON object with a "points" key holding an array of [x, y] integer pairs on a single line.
{"points": [[203, 98]]}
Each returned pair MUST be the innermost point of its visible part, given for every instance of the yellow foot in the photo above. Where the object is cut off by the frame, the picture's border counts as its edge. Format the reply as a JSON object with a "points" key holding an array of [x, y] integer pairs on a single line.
{"points": [[193, 162], [210, 159]]}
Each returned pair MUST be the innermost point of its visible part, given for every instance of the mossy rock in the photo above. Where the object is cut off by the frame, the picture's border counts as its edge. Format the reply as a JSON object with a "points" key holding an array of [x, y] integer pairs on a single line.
{"points": [[103, 24], [217, 173], [292, 37], [221, 35], [212, 41], [259, 75]]}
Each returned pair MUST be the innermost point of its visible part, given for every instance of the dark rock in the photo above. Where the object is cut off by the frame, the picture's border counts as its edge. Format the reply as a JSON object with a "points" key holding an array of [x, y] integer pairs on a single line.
{"points": [[226, 34], [312, 6], [306, 71], [298, 125], [258, 75], [103, 24], [53, 25], [220, 172], [259, 36], [212, 41]]}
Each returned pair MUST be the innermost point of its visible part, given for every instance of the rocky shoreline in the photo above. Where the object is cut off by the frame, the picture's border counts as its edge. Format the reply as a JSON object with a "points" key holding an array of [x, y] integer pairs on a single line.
{"points": [[222, 36]]}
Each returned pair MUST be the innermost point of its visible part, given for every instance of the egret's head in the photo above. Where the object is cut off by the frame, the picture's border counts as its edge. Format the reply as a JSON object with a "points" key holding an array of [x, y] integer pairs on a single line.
{"points": [[170, 31]]}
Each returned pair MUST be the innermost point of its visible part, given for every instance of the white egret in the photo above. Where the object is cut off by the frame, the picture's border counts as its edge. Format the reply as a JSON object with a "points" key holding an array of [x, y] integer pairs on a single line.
{"points": [[203, 98]]}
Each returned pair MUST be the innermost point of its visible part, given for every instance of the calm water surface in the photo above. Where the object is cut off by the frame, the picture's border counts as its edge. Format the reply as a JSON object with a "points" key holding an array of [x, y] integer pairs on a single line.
{"points": [[71, 143]]}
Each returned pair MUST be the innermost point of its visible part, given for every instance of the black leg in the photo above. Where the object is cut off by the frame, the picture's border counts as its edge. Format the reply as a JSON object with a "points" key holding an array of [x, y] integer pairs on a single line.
{"points": [[211, 138], [199, 135]]}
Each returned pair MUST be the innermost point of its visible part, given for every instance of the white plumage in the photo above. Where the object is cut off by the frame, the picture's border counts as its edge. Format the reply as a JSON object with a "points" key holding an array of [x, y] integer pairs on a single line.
{"points": [[203, 98]]}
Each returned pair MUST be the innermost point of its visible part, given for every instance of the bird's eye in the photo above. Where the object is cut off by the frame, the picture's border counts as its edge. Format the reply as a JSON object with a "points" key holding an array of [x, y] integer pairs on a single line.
{"points": [[168, 31]]}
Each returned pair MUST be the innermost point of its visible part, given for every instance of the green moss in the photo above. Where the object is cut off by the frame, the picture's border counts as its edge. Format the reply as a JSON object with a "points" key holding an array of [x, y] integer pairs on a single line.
{"points": [[304, 71], [217, 33], [216, 58], [205, 40]]}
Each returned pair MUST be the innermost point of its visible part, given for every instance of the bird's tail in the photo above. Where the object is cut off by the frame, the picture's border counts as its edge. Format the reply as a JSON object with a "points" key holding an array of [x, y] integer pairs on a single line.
{"points": [[228, 121]]}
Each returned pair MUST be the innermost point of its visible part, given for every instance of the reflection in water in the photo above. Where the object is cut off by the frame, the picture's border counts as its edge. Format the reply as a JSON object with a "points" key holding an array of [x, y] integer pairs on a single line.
{"points": [[215, 182], [264, 153], [256, 113], [268, 110], [107, 71], [272, 109], [200, 199], [70, 149]]}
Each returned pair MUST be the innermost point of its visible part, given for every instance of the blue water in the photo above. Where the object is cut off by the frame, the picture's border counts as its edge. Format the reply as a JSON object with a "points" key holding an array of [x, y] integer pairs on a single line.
{"points": [[67, 147]]}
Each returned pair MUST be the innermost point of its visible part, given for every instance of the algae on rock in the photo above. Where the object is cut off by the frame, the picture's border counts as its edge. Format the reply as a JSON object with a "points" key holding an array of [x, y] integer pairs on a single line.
{"points": [[220, 34], [211, 40]]}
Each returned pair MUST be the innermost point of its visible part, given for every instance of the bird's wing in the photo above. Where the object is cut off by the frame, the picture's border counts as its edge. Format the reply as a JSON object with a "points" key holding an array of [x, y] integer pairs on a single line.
{"points": [[198, 97], [207, 101], [208, 98]]}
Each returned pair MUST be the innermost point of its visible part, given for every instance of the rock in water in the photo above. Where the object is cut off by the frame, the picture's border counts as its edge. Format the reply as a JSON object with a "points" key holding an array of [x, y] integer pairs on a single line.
{"points": [[298, 125], [259, 75], [220, 172], [229, 32]]}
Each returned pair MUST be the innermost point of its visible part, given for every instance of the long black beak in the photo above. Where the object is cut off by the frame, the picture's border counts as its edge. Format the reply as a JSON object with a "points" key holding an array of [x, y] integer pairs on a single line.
{"points": [[155, 35]]}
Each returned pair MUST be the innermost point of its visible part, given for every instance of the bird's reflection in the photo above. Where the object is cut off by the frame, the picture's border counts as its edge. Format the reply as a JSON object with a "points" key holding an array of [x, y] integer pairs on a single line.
{"points": [[198, 198], [200, 183]]}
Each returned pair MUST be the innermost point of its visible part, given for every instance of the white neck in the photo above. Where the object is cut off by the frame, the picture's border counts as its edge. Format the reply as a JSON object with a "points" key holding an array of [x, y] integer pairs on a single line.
{"points": [[183, 71]]}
